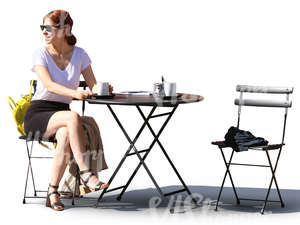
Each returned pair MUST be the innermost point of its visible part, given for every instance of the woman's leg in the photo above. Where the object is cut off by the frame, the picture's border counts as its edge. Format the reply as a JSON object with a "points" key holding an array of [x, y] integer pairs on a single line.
{"points": [[62, 155], [72, 121], [61, 158]]}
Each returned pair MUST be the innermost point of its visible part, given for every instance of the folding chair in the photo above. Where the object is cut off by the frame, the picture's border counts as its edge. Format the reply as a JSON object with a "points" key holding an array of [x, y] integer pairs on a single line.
{"points": [[285, 104], [32, 139]]}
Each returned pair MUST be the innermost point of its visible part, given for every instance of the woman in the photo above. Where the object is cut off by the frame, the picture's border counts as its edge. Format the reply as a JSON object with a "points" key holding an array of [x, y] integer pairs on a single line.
{"points": [[58, 66]]}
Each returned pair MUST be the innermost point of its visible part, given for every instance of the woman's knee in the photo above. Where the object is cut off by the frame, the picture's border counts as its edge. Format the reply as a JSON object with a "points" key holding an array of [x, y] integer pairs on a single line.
{"points": [[74, 118]]}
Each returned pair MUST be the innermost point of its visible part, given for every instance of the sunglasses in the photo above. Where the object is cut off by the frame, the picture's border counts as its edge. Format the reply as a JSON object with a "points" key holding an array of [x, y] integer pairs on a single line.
{"points": [[49, 28]]}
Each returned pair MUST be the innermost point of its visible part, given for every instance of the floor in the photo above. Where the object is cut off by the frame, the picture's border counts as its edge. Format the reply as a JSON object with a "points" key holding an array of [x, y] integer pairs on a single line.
{"points": [[145, 206]]}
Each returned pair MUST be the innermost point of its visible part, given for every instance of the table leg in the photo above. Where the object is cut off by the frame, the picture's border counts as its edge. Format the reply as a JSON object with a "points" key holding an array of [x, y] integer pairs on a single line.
{"points": [[128, 150], [165, 153], [142, 159], [150, 147]]}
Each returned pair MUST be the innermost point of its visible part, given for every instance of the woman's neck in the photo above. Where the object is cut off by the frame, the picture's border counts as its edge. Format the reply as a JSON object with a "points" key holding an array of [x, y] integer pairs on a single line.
{"points": [[60, 48]]}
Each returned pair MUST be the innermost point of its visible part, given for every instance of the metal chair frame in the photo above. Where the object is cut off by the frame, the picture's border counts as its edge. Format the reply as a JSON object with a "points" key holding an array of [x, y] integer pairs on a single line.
{"points": [[273, 167], [32, 139]]}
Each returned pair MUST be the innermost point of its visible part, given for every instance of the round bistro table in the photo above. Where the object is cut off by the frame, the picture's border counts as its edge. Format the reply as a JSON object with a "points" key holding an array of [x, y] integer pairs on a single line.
{"points": [[154, 102]]}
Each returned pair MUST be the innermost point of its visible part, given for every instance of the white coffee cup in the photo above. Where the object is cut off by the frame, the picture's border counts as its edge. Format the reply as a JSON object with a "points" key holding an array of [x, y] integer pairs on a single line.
{"points": [[101, 88], [170, 89]]}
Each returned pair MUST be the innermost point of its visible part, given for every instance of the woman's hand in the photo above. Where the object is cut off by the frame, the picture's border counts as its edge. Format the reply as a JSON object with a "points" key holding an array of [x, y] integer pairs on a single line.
{"points": [[82, 94]]}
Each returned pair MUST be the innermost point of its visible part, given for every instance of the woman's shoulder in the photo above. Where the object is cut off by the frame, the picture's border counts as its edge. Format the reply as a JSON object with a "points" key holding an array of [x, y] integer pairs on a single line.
{"points": [[81, 53], [80, 49], [40, 52]]}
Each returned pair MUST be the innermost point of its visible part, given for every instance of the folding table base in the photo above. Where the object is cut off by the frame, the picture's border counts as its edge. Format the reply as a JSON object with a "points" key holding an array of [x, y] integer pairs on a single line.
{"points": [[146, 153], [273, 170]]}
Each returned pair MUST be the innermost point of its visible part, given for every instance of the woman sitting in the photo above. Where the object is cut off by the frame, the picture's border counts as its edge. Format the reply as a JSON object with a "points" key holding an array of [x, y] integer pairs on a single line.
{"points": [[58, 65]]}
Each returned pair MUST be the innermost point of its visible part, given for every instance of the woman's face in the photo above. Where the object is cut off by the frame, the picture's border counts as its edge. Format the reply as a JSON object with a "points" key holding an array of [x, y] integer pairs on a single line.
{"points": [[55, 35]]}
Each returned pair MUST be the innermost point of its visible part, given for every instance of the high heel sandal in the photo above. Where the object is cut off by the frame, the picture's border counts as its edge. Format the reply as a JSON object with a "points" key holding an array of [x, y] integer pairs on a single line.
{"points": [[86, 189], [55, 204]]}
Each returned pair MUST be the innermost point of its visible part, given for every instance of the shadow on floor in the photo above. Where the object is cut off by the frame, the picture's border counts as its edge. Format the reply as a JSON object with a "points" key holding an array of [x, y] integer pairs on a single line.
{"points": [[145, 199]]}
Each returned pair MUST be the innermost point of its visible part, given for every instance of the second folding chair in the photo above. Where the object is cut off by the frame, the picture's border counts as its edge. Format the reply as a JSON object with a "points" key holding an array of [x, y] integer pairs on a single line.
{"points": [[241, 101]]}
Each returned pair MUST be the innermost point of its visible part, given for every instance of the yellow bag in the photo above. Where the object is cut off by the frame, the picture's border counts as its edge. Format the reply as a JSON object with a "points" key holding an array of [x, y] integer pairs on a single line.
{"points": [[19, 109]]}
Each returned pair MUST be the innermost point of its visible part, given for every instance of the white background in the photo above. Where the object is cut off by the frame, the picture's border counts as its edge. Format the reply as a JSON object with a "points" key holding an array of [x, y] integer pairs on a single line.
{"points": [[206, 47]]}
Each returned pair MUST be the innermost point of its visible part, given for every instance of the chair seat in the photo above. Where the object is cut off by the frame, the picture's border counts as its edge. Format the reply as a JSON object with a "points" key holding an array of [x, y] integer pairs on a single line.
{"points": [[222, 144], [267, 147], [32, 138]]}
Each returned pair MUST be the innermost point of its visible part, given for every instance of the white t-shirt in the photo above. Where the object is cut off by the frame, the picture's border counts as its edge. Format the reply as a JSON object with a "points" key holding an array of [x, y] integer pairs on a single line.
{"points": [[69, 77]]}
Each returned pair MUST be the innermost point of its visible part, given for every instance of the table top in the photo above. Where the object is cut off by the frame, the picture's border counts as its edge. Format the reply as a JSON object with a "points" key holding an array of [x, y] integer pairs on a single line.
{"points": [[146, 100]]}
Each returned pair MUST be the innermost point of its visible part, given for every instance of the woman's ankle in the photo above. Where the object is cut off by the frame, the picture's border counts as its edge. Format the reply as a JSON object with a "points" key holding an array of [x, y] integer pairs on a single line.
{"points": [[53, 187]]}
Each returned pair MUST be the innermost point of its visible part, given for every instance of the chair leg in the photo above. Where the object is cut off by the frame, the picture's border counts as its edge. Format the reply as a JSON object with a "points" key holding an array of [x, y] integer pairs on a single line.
{"points": [[29, 170], [275, 180], [233, 186], [227, 172], [26, 181], [220, 192], [76, 184], [271, 182]]}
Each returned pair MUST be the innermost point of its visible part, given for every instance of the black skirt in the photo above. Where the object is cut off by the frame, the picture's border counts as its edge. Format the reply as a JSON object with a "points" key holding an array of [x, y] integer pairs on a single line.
{"points": [[38, 115]]}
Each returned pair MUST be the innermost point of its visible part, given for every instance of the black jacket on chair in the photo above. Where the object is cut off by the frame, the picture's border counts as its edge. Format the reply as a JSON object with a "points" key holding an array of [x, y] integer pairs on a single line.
{"points": [[241, 140]]}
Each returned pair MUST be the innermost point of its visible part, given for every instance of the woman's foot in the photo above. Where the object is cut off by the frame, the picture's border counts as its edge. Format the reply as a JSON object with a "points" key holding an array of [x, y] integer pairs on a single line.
{"points": [[91, 181], [53, 199]]}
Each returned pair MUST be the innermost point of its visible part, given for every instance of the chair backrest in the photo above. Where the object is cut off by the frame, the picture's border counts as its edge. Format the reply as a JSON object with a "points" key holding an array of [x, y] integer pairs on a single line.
{"points": [[82, 84], [241, 101]]}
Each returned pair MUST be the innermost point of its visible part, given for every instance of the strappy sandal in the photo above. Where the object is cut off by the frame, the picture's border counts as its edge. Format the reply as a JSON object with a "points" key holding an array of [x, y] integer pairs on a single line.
{"points": [[55, 204], [86, 188]]}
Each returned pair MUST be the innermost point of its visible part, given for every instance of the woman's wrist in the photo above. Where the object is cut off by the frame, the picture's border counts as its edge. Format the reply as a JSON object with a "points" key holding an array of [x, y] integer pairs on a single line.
{"points": [[73, 93]]}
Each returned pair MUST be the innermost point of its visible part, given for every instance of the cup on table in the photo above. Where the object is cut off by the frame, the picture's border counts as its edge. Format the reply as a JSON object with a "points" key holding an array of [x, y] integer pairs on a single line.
{"points": [[101, 88], [169, 89]]}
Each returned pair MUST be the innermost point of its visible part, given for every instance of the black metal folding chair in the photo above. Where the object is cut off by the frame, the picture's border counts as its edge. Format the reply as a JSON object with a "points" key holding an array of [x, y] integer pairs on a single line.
{"points": [[31, 139], [258, 103]]}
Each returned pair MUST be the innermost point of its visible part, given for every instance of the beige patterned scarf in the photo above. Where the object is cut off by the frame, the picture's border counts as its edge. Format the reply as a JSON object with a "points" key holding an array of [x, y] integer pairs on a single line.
{"points": [[95, 152]]}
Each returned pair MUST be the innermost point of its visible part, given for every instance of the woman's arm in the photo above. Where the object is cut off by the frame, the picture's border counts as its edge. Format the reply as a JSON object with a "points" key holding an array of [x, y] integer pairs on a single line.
{"points": [[89, 77], [51, 86]]}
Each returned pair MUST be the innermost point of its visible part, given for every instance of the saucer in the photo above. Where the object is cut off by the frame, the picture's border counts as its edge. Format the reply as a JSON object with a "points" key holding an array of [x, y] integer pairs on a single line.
{"points": [[96, 96], [178, 95]]}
